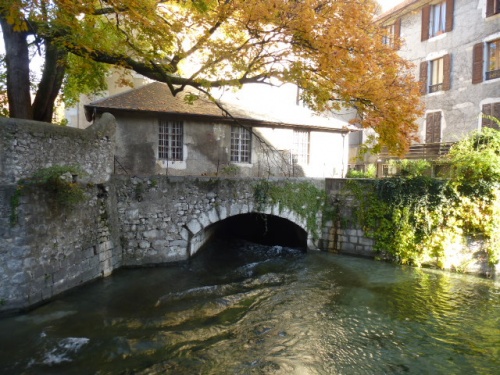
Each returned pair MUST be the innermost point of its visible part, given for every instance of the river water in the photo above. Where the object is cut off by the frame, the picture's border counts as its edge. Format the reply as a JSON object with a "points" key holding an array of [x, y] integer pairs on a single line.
{"points": [[242, 308]]}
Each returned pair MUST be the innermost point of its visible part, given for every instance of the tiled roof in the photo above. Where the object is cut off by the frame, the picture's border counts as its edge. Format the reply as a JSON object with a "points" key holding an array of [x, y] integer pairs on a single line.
{"points": [[157, 98]]}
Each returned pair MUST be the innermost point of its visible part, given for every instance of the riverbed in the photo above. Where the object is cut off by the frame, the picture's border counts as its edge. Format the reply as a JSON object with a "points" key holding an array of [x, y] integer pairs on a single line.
{"points": [[243, 308]]}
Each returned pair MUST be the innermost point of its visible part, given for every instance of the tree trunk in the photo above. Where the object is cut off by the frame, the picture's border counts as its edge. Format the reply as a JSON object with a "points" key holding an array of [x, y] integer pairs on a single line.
{"points": [[18, 71], [51, 82]]}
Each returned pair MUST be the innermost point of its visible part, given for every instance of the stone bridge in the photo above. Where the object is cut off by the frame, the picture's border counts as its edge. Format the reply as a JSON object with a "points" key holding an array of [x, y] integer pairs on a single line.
{"points": [[46, 249], [164, 219], [132, 221]]}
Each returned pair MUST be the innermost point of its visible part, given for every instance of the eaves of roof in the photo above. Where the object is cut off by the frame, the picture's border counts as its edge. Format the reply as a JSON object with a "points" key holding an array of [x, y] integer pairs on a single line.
{"points": [[156, 98], [401, 9]]}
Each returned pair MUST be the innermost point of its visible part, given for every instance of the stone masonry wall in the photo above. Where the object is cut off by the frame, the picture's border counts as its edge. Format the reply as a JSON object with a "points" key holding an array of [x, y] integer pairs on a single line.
{"points": [[165, 219], [345, 238], [49, 248], [27, 146]]}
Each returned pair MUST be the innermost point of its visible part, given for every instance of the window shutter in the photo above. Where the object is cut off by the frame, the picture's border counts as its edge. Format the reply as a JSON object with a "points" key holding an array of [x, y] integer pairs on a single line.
{"points": [[490, 8], [446, 72], [449, 15], [423, 77], [397, 34], [477, 63], [426, 19], [433, 128]]}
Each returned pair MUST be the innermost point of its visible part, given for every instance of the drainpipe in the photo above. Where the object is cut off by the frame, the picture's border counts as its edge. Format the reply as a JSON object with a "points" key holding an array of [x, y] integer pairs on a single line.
{"points": [[343, 153]]}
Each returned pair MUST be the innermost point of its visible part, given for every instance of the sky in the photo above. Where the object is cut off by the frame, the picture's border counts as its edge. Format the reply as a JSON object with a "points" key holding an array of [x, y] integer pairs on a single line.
{"points": [[388, 4]]}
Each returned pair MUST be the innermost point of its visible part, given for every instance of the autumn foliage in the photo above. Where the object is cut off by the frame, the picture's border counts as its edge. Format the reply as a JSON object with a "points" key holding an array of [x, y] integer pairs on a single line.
{"points": [[332, 49]]}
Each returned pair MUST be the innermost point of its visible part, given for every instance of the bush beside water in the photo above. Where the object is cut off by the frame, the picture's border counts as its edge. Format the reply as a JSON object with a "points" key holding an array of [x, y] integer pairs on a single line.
{"points": [[415, 219]]}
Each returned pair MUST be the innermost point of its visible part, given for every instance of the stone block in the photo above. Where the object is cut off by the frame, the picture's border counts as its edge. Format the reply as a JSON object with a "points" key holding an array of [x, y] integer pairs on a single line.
{"points": [[204, 220], [194, 226], [179, 243], [213, 216], [151, 234], [366, 241], [132, 214], [235, 209], [184, 234], [144, 245], [160, 244]]}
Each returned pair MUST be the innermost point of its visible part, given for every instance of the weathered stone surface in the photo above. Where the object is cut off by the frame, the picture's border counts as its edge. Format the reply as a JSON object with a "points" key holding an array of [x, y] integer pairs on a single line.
{"points": [[51, 249]]}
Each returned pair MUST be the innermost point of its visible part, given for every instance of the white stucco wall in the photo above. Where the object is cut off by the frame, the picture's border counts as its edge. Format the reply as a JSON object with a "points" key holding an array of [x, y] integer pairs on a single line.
{"points": [[207, 151]]}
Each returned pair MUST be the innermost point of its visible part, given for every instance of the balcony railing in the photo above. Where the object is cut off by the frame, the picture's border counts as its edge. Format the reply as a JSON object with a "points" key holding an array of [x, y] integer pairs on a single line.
{"points": [[435, 88], [492, 74], [428, 151]]}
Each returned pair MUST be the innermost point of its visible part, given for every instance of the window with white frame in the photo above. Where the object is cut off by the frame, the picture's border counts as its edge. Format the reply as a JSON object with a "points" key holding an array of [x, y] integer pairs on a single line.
{"points": [[170, 140], [437, 75], [300, 148], [437, 19], [241, 144], [493, 59], [388, 36]]}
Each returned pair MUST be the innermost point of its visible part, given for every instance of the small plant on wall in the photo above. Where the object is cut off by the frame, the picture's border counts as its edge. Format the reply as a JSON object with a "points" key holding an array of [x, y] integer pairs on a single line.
{"points": [[58, 181]]}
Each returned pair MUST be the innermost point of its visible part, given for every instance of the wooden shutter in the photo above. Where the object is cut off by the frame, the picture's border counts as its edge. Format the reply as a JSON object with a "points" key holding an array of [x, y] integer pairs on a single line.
{"points": [[490, 8], [426, 19], [493, 110], [423, 77], [433, 127], [477, 63], [397, 34], [446, 72], [449, 15]]}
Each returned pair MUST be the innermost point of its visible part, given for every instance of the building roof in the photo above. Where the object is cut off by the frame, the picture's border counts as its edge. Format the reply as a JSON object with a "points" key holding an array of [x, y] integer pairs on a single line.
{"points": [[157, 98], [402, 8]]}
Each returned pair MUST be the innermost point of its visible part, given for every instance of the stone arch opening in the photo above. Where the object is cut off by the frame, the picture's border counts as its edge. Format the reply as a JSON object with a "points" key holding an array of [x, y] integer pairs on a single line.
{"points": [[263, 229]]}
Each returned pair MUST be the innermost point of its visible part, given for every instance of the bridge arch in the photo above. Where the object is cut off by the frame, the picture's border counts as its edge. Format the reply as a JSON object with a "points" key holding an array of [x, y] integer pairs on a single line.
{"points": [[202, 228]]}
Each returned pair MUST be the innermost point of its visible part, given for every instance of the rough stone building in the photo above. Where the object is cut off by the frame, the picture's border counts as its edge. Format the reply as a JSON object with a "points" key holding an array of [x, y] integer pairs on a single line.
{"points": [[455, 48], [162, 134]]}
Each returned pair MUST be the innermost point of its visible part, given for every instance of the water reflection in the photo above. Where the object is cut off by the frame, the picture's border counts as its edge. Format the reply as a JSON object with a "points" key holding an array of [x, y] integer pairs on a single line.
{"points": [[241, 308]]}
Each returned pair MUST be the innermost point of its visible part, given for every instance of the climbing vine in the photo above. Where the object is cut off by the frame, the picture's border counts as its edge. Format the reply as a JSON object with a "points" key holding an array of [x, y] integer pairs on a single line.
{"points": [[303, 198], [416, 219]]}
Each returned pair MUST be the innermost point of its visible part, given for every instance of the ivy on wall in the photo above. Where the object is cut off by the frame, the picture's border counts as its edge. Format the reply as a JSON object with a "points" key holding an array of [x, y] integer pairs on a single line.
{"points": [[303, 198], [416, 219]]}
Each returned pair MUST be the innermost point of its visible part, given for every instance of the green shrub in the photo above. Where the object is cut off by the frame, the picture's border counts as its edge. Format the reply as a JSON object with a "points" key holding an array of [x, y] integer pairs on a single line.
{"points": [[416, 219], [370, 172], [411, 168]]}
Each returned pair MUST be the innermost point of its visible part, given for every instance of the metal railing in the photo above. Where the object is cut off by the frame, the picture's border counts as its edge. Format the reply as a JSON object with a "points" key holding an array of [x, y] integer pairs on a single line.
{"points": [[428, 151]]}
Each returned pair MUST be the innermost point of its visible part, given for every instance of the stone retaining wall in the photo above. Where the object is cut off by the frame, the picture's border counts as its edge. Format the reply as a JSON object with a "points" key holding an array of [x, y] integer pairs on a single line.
{"points": [[48, 248], [28, 146]]}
